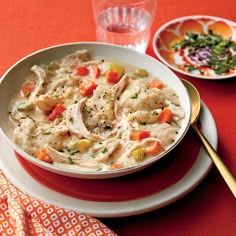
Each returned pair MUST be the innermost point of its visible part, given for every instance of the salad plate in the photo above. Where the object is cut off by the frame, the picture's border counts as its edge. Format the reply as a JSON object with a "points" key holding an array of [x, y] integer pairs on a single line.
{"points": [[198, 46], [113, 202]]}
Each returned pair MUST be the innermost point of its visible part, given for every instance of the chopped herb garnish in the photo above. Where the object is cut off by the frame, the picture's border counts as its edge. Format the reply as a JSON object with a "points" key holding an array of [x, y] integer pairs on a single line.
{"points": [[74, 152], [27, 94], [71, 119], [135, 96], [87, 110], [86, 124], [104, 150], [31, 118], [180, 45], [55, 96], [154, 113], [70, 160], [47, 133], [107, 127], [191, 68], [142, 123], [176, 124]]}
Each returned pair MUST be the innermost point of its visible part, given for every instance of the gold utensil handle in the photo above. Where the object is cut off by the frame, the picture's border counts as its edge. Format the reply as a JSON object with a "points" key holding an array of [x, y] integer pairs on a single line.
{"points": [[223, 169]]}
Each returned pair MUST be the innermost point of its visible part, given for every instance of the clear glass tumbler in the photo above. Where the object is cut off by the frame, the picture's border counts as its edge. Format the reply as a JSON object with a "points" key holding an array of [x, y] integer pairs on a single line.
{"points": [[124, 22]]}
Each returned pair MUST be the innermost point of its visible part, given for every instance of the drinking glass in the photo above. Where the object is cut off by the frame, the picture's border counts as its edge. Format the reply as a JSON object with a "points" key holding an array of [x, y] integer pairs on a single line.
{"points": [[124, 22]]}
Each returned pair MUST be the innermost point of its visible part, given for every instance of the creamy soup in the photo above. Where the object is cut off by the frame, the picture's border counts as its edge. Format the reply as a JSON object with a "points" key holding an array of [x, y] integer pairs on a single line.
{"points": [[94, 114]]}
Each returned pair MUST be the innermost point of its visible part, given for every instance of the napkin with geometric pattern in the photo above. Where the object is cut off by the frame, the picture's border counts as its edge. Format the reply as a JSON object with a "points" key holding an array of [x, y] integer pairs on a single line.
{"points": [[22, 215]]}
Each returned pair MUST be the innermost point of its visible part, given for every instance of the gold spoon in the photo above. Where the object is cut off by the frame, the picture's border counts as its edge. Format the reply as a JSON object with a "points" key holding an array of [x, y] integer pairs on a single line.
{"points": [[222, 168]]}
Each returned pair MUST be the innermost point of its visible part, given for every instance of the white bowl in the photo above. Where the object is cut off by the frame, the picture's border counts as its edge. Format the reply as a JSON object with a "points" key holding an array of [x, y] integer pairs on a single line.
{"points": [[12, 80]]}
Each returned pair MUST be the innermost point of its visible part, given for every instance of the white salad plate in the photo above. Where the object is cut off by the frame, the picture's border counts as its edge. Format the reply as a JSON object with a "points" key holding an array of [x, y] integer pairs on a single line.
{"points": [[21, 179], [181, 61]]}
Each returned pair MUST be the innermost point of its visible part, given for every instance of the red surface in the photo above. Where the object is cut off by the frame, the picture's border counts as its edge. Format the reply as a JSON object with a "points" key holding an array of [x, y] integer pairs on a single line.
{"points": [[209, 209], [160, 176]]}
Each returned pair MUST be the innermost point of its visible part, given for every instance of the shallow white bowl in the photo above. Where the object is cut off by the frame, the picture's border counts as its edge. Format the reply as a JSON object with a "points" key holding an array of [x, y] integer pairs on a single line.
{"points": [[13, 78]]}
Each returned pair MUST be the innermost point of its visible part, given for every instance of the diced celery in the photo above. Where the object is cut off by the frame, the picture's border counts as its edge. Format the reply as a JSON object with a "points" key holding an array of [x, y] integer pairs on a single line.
{"points": [[51, 68], [118, 68], [81, 145], [141, 73], [138, 154]]}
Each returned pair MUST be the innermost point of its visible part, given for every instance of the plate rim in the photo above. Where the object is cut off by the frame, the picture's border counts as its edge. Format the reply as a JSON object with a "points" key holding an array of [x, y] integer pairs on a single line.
{"points": [[182, 18], [115, 209]]}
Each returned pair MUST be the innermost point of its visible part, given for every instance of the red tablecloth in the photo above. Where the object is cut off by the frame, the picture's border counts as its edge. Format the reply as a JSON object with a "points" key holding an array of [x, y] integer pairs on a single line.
{"points": [[210, 209]]}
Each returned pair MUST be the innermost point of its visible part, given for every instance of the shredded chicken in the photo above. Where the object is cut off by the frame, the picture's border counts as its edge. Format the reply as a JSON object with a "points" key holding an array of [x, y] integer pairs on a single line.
{"points": [[41, 79], [137, 97], [75, 121], [46, 103]]}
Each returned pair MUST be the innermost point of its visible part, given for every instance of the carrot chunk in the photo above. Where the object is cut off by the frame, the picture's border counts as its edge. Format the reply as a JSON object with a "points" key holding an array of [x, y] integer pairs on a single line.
{"points": [[56, 112], [113, 77], [139, 135], [166, 116], [154, 148], [86, 88], [42, 155], [82, 71], [155, 84], [117, 166]]}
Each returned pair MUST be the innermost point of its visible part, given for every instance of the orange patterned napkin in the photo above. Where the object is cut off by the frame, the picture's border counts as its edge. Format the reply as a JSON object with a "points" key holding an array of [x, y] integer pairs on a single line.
{"points": [[22, 215]]}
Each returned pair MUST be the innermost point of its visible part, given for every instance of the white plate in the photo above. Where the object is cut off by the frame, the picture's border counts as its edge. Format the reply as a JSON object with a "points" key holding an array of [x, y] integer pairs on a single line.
{"points": [[175, 31], [23, 181]]}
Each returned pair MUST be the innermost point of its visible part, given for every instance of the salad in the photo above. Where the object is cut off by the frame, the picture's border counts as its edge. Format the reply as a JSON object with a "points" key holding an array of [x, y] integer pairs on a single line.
{"points": [[206, 54]]}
